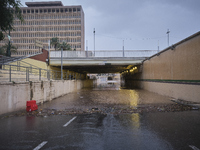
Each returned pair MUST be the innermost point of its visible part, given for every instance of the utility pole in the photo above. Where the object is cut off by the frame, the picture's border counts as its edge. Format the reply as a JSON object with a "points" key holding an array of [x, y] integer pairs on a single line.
{"points": [[94, 41], [168, 35]]}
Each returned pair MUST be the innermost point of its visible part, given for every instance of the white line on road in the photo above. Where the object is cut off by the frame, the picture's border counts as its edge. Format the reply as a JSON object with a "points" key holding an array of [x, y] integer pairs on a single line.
{"points": [[69, 122], [193, 147], [40, 146]]}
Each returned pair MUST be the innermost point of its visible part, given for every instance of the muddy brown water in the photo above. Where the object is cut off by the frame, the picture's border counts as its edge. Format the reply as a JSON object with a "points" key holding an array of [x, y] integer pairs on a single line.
{"points": [[107, 97]]}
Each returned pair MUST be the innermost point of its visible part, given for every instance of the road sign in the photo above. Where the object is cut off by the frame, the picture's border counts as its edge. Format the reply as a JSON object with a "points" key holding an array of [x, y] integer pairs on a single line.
{"points": [[38, 44]]}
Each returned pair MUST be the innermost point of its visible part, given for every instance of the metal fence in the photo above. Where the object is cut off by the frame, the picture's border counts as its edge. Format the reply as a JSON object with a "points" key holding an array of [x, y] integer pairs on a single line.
{"points": [[21, 73], [4, 59], [105, 53]]}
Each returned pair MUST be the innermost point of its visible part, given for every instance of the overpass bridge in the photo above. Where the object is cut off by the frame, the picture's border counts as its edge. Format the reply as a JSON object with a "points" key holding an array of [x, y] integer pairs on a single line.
{"points": [[111, 61]]}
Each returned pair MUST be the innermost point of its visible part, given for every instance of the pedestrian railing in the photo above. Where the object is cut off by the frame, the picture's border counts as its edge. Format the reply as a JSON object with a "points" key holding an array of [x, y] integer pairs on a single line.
{"points": [[5, 60], [105, 53], [21, 73]]}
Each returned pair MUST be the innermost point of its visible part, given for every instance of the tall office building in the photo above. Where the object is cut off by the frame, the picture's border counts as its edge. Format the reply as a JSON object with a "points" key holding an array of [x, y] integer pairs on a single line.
{"points": [[45, 20]]}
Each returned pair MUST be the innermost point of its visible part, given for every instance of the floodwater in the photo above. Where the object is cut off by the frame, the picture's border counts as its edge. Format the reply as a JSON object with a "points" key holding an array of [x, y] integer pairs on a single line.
{"points": [[147, 131], [107, 96], [107, 130]]}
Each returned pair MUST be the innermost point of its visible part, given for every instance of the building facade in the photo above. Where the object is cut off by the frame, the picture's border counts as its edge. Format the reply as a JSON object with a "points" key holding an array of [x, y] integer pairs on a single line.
{"points": [[45, 20]]}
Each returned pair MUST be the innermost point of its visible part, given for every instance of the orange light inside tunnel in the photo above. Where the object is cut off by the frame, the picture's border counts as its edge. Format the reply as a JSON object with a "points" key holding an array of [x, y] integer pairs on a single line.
{"points": [[133, 69]]}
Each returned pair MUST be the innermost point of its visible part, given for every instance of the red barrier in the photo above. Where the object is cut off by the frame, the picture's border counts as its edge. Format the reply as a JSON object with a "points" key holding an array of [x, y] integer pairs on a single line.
{"points": [[31, 105]]}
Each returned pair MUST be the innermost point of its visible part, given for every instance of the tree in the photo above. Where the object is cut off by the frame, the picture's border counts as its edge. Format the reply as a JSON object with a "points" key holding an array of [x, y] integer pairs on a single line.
{"points": [[2, 52], [4, 49], [9, 9], [54, 42], [65, 46]]}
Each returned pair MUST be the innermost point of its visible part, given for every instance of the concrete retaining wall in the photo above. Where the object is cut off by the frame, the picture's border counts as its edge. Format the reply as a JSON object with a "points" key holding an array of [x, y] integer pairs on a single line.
{"points": [[14, 95], [179, 63], [173, 72], [187, 92]]}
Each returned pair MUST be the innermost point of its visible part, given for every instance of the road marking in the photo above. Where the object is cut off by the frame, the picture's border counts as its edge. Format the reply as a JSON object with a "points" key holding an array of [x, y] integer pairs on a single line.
{"points": [[193, 147], [69, 122], [40, 146]]}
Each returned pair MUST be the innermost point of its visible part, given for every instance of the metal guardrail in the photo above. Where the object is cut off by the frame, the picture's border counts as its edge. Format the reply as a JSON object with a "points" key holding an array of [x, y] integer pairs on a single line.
{"points": [[13, 72], [16, 61], [4, 59], [110, 53]]}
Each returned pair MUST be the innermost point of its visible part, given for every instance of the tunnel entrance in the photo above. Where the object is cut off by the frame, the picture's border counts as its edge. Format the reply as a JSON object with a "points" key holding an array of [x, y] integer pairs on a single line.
{"points": [[106, 81], [110, 78], [124, 79]]}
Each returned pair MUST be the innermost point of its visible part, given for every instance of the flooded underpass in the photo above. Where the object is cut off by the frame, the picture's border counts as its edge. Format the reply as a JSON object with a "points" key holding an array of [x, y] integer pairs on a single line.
{"points": [[110, 98], [104, 118]]}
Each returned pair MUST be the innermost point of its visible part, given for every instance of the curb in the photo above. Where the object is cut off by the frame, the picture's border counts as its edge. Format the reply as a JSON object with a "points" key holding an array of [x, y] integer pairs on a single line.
{"points": [[194, 105]]}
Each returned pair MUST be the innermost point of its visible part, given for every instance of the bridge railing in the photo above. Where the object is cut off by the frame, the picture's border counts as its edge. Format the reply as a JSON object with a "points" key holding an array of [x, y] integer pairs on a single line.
{"points": [[109, 53]]}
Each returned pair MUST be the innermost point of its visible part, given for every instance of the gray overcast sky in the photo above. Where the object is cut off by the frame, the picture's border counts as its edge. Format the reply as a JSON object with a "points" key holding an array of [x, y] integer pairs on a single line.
{"points": [[140, 23]]}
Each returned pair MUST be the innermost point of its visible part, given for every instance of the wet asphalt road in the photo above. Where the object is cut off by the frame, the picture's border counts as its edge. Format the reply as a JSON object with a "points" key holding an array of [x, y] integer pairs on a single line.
{"points": [[103, 131], [148, 131]]}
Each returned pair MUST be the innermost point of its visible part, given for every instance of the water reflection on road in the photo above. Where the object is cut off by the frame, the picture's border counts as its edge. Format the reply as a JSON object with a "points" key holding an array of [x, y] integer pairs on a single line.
{"points": [[148, 131], [139, 131], [106, 96]]}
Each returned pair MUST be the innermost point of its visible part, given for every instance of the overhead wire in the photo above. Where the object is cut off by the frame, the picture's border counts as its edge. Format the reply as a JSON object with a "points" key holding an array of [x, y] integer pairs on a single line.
{"points": [[128, 38]]}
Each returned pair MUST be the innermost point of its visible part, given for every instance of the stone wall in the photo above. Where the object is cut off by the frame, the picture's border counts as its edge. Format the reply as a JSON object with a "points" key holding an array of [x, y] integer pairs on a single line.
{"points": [[15, 95]]}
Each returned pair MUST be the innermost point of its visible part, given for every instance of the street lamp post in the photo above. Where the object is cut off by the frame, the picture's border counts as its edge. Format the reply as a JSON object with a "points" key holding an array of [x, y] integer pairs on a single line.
{"points": [[168, 35], [61, 63], [8, 48], [94, 41], [123, 48]]}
